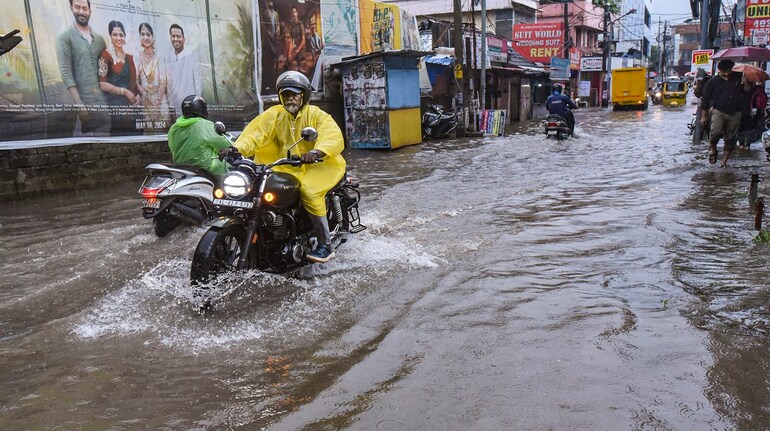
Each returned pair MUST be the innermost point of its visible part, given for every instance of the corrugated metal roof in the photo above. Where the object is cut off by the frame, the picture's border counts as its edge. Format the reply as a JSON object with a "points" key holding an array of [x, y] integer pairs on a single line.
{"points": [[399, 53]]}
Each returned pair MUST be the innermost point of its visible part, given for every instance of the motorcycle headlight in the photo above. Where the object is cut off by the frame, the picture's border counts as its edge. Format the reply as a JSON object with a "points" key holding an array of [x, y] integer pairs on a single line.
{"points": [[236, 185]]}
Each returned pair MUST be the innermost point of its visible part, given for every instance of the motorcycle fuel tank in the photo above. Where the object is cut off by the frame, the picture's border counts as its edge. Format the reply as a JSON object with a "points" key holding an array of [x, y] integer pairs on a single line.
{"points": [[284, 187]]}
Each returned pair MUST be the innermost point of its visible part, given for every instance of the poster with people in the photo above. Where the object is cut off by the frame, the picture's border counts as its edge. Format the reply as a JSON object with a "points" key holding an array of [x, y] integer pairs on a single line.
{"points": [[380, 26], [385, 27], [292, 39], [116, 68]]}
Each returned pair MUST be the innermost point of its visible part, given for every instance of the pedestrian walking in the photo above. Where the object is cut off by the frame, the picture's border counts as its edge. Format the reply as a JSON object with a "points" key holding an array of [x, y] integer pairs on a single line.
{"points": [[722, 97]]}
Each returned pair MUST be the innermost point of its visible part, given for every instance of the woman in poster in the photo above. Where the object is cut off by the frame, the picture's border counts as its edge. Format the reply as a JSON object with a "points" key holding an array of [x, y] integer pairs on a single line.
{"points": [[117, 79], [152, 77]]}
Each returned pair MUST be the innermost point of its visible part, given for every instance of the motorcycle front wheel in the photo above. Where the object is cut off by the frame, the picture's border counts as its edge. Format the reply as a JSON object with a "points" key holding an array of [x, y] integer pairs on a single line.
{"points": [[217, 253]]}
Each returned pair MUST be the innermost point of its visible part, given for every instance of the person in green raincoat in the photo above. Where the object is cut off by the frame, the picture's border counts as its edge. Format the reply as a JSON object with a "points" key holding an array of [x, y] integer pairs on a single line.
{"points": [[193, 140], [268, 137]]}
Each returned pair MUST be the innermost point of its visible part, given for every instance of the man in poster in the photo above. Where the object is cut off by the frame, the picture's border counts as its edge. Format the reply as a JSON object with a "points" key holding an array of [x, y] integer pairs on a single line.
{"points": [[77, 51], [184, 70]]}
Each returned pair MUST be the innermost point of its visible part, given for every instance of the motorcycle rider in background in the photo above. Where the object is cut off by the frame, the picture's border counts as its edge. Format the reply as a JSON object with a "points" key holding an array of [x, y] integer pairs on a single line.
{"points": [[270, 134], [193, 140], [561, 105]]}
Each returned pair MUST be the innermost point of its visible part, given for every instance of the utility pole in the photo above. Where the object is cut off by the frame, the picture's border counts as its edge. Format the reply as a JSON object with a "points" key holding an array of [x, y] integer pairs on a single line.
{"points": [[660, 52], [606, 65], [704, 25], [458, 43], [697, 135], [665, 49], [566, 29], [483, 54]]}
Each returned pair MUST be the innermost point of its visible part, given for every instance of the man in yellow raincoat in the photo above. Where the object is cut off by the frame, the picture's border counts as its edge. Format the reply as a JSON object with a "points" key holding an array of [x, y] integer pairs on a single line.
{"points": [[268, 137]]}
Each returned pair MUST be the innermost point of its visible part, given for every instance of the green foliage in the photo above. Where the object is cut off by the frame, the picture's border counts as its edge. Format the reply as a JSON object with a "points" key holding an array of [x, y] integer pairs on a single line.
{"points": [[238, 60], [614, 5], [763, 237]]}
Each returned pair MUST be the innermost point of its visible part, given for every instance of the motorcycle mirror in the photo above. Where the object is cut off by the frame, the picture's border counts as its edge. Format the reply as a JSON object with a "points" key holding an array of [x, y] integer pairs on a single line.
{"points": [[220, 127], [309, 134]]}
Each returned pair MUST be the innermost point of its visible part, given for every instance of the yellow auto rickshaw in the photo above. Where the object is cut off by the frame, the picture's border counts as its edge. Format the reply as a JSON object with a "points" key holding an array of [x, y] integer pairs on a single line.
{"points": [[674, 91]]}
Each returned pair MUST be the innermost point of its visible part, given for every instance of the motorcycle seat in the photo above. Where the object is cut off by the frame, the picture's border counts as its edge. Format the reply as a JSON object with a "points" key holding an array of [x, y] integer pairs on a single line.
{"points": [[196, 170]]}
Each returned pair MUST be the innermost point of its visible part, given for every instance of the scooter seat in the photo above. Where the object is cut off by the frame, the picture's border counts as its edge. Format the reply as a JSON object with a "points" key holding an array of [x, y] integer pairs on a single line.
{"points": [[196, 170]]}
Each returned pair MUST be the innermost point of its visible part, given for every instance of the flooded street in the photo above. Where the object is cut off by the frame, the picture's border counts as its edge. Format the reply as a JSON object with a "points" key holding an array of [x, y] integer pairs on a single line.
{"points": [[605, 282]]}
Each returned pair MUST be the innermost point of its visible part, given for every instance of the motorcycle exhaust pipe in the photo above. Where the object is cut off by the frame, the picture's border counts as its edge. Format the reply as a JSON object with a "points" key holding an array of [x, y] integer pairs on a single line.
{"points": [[186, 214]]}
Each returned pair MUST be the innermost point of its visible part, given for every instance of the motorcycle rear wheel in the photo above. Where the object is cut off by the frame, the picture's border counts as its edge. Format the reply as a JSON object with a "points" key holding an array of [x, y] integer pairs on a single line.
{"points": [[164, 223], [217, 253]]}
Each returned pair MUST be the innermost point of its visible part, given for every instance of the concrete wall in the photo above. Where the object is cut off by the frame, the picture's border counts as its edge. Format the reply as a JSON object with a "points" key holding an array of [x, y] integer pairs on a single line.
{"points": [[47, 170]]}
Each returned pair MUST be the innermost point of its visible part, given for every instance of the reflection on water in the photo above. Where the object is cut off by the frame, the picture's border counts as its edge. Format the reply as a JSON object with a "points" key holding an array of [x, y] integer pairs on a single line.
{"points": [[604, 282]]}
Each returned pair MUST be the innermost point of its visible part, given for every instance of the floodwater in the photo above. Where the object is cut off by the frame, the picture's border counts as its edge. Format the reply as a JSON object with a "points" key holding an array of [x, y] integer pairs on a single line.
{"points": [[605, 282]]}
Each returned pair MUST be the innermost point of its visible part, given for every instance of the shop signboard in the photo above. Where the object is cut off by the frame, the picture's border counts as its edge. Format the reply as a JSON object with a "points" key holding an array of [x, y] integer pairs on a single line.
{"points": [[591, 64], [757, 23], [540, 41], [701, 59]]}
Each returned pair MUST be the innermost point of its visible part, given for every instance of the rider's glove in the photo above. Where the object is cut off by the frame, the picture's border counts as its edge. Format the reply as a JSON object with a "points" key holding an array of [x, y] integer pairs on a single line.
{"points": [[227, 153], [311, 156]]}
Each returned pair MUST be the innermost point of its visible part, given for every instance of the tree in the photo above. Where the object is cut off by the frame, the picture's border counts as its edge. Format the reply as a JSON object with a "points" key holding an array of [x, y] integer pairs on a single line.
{"points": [[613, 5]]}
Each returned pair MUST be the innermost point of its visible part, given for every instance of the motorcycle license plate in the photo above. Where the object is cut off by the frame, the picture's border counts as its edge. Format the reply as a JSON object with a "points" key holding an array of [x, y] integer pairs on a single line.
{"points": [[230, 203], [151, 203]]}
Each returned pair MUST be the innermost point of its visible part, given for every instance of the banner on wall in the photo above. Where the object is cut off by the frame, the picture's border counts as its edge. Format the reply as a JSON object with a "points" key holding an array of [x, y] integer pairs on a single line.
{"points": [[539, 42], [380, 26], [292, 39], [112, 69]]}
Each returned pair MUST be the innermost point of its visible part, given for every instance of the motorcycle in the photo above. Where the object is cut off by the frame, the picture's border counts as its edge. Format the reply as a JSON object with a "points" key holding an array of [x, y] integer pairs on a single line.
{"points": [[176, 194], [657, 97], [436, 123], [262, 224], [556, 125]]}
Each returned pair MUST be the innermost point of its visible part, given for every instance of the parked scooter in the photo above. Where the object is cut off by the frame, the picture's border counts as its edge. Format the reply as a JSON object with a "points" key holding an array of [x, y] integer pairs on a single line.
{"points": [[436, 123], [556, 125], [176, 194]]}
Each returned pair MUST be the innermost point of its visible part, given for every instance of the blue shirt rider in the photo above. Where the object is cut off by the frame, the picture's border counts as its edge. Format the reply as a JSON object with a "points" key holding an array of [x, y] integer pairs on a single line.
{"points": [[561, 105]]}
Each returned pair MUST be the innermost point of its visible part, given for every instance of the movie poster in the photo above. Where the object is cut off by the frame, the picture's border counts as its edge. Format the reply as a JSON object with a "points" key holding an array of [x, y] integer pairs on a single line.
{"points": [[292, 39], [340, 21], [380, 26], [122, 67]]}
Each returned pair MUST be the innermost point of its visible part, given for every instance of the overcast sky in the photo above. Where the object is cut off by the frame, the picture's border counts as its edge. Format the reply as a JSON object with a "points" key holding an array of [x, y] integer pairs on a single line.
{"points": [[671, 10]]}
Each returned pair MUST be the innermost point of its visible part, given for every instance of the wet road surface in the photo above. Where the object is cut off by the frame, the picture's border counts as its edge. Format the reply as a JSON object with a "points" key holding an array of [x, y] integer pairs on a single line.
{"points": [[605, 282]]}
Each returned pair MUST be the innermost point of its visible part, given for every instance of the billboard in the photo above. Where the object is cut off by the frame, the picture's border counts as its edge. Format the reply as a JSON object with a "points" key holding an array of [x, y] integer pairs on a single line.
{"points": [[292, 39], [757, 23], [539, 42], [113, 68]]}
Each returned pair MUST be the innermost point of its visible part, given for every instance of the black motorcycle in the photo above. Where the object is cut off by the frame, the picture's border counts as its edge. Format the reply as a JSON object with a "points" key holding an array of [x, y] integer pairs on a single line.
{"points": [[262, 224], [556, 126], [436, 123]]}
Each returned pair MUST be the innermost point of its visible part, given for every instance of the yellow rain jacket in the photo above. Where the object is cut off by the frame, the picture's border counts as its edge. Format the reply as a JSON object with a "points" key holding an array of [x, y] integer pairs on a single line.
{"points": [[267, 137]]}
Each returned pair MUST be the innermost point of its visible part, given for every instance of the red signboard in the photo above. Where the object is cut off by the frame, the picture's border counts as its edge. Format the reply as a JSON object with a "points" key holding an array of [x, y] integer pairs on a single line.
{"points": [[757, 24], [574, 58], [539, 42]]}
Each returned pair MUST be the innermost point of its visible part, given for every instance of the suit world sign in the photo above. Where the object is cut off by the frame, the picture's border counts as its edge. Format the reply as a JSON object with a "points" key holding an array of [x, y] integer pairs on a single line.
{"points": [[539, 42]]}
